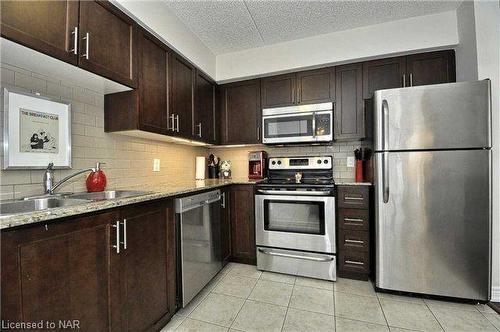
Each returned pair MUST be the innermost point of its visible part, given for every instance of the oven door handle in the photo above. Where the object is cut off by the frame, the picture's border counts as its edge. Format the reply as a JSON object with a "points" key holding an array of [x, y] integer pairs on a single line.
{"points": [[316, 259], [294, 192]]}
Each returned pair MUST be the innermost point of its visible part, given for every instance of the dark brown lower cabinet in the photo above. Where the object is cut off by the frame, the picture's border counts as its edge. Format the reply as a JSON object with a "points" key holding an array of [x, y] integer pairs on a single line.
{"points": [[71, 270], [354, 232], [225, 225], [242, 224]]}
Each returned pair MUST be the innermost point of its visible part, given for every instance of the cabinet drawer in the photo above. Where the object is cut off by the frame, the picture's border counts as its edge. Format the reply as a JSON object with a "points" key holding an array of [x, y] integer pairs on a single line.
{"points": [[354, 219], [354, 240], [354, 261], [353, 197]]}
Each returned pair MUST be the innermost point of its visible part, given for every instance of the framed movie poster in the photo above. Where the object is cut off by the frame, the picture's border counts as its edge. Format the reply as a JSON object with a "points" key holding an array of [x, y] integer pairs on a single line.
{"points": [[37, 131]]}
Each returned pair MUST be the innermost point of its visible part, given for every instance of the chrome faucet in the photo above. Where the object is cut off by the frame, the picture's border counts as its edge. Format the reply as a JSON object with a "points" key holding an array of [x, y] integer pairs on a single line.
{"points": [[48, 178]]}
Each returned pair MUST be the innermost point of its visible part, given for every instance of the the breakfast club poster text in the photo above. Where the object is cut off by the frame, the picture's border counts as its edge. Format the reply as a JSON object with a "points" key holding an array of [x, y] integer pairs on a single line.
{"points": [[39, 131]]}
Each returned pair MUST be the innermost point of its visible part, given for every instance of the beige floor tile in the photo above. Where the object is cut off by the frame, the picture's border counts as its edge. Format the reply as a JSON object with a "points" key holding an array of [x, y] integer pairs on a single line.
{"points": [[349, 325], [258, 316], [316, 283], [194, 303], [357, 287], [299, 320], [215, 280], [173, 324], [272, 292], [218, 309], [398, 329], [436, 304], [249, 271], [235, 285], [312, 299], [395, 297], [357, 307], [455, 320], [409, 315], [494, 319], [278, 277], [192, 325], [484, 308]]}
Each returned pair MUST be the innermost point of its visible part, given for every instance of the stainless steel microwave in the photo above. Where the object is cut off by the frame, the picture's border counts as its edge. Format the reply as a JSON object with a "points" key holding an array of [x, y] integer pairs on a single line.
{"points": [[298, 124]]}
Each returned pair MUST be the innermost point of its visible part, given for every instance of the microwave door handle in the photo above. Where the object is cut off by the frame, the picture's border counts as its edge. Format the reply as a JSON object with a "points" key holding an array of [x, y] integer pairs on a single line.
{"points": [[314, 125]]}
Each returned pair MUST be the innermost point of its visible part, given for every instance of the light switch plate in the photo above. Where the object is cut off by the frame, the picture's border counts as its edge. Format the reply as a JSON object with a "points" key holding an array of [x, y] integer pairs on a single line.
{"points": [[156, 165], [350, 161]]}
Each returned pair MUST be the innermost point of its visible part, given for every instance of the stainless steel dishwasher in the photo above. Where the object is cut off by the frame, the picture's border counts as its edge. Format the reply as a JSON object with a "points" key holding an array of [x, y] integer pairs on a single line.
{"points": [[198, 219]]}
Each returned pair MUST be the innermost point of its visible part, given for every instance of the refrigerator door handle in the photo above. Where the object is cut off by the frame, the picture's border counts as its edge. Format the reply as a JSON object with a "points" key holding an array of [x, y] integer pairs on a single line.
{"points": [[385, 176], [385, 123]]}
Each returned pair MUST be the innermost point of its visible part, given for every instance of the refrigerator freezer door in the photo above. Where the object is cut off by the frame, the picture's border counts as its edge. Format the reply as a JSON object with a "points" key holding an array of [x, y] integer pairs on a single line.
{"points": [[433, 234], [440, 116]]}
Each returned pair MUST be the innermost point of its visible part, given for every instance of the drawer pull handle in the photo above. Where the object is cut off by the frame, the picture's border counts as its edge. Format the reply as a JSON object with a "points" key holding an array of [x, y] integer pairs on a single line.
{"points": [[316, 259], [353, 219], [352, 198], [354, 241], [354, 262]]}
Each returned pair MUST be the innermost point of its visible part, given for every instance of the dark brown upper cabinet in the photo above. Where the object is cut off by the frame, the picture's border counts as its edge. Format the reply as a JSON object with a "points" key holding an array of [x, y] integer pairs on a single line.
{"points": [[94, 35], [182, 76], [306, 87], [278, 90], [316, 86], [46, 26], [145, 108], [383, 74], [431, 68], [204, 109], [107, 44], [349, 111], [240, 113]]}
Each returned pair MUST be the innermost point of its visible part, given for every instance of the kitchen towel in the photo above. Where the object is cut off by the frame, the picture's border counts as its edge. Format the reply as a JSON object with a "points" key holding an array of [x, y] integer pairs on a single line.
{"points": [[200, 168]]}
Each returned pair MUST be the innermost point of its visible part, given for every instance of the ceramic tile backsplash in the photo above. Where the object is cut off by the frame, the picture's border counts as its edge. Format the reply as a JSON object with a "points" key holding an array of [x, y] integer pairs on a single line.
{"points": [[129, 161]]}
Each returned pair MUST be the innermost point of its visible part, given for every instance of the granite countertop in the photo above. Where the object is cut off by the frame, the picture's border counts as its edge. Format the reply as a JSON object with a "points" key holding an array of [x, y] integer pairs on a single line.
{"points": [[157, 192]]}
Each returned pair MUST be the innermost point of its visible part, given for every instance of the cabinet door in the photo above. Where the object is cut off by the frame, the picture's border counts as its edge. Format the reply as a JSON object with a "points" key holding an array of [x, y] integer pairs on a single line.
{"points": [[46, 26], [316, 86], [68, 270], [242, 224], [181, 95], [204, 111], [106, 42], [278, 91], [431, 68], [349, 115], [240, 113], [225, 225], [147, 270], [383, 74], [153, 84]]}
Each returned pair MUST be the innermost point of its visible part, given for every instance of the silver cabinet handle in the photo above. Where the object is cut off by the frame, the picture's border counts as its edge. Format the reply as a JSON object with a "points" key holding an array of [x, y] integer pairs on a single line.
{"points": [[385, 176], [199, 129], [352, 198], [223, 204], [75, 41], [354, 241], [124, 242], [117, 245], [404, 80], [316, 259], [177, 122], [354, 262], [258, 133], [411, 79], [172, 118], [87, 41], [353, 219]]}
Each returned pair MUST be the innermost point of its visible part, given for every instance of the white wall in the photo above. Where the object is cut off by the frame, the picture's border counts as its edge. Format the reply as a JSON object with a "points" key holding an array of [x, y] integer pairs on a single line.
{"points": [[157, 16], [466, 52], [487, 23], [391, 38]]}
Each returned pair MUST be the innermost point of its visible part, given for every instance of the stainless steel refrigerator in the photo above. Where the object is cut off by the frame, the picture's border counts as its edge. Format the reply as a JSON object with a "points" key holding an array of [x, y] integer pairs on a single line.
{"points": [[433, 189]]}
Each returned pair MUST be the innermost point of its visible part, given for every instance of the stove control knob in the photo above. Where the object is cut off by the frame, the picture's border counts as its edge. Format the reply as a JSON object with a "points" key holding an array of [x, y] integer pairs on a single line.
{"points": [[319, 161], [273, 162], [279, 162], [325, 161]]}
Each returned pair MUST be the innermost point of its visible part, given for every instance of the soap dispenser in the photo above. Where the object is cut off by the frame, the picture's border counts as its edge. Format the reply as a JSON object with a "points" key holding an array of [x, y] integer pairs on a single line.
{"points": [[96, 180]]}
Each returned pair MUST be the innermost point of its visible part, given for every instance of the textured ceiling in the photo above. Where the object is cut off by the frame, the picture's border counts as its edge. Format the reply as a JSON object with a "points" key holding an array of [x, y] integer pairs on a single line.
{"points": [[232, 25]]}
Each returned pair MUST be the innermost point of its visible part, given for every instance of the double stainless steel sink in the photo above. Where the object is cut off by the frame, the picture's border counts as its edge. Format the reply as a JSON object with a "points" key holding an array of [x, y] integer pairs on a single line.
{"points": [[31, 204]]}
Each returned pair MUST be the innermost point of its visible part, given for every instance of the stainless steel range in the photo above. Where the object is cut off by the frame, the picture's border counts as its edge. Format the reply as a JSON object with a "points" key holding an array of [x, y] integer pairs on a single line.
{"points": [[295, 217]]}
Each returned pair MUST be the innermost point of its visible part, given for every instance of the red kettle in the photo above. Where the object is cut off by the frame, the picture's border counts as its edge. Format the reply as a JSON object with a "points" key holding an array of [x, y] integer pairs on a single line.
{"points": [[96, 180]]}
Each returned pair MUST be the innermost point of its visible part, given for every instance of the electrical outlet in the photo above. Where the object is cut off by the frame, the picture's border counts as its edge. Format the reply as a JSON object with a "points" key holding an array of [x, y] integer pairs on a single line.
{"points": [[350, 161], [156, 165]]}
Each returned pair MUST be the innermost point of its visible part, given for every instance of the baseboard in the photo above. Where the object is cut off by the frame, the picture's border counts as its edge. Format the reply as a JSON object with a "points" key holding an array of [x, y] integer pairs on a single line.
{"points": [[495, 294]]}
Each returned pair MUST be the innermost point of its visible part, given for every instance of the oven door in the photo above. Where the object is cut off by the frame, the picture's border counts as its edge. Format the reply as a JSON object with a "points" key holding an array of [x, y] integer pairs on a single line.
{"points": [[297, 128], [295, 222]]}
